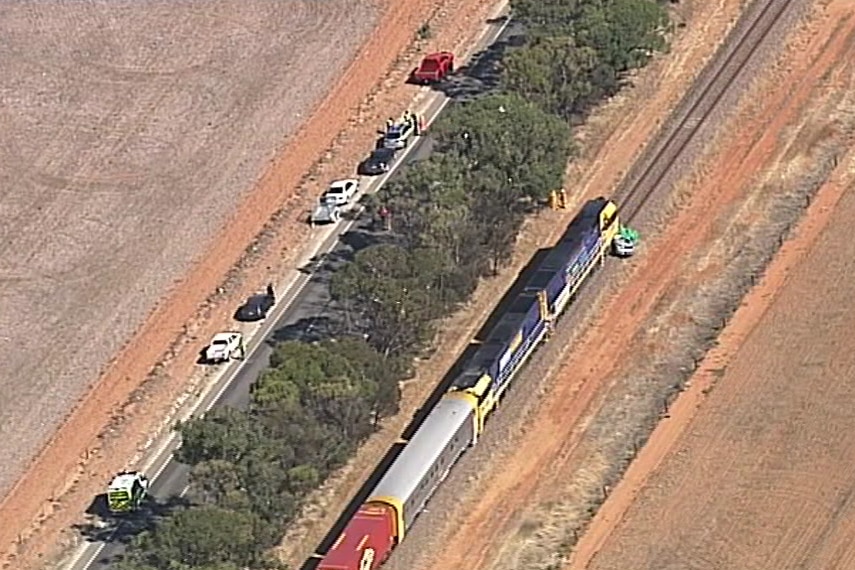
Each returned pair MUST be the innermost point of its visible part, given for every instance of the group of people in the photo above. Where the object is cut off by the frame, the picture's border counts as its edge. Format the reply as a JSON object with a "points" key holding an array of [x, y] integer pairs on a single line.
{"points": [[407, 117], [558, 199]]}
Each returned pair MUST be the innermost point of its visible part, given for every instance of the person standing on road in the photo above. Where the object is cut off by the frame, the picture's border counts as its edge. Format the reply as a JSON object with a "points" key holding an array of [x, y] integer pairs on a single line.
{"points": [[270, 291]]}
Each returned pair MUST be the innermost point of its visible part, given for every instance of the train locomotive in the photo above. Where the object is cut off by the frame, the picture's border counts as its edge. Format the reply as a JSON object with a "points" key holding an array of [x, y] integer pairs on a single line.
{"points": [[458, 419]]}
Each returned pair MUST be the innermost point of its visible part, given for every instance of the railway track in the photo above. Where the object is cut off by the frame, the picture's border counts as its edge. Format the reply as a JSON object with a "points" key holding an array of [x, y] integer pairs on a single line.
{"points": [[637, 188], [699, 105], [645, 180]]}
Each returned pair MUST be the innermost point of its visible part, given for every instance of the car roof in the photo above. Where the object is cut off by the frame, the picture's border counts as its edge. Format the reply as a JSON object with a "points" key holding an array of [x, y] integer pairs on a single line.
{"points": [[122, 482], [341, 184], [223, 336], [383, 152], [257, 298]]}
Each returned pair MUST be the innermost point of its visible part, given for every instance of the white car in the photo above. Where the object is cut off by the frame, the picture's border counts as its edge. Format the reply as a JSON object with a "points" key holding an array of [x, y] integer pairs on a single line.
{"points": [[341, 192], [326, 212], [398, 135], [224, 346]]}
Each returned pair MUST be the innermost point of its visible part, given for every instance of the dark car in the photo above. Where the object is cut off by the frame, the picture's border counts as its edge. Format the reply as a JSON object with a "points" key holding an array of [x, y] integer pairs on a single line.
{"points": [[255, 308], [379, 162]]}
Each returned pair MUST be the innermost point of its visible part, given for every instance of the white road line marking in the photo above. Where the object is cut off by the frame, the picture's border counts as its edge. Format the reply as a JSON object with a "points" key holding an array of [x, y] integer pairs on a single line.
{"points": [[256, 338]]}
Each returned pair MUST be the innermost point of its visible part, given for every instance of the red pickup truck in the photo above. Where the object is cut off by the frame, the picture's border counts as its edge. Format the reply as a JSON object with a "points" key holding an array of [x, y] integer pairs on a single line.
{"points": [[434, 67]]}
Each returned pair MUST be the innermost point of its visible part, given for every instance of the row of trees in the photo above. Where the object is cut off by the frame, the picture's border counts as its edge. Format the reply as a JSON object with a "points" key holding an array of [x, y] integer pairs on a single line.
{"points": [[454, 220], [578, 51], [251, 468]]}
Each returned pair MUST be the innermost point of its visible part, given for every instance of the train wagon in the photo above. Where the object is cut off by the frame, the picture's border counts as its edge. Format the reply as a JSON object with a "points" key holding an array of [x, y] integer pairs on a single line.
{"points": [[458, 420], [366, 540], [531, 316], [405, 488]]}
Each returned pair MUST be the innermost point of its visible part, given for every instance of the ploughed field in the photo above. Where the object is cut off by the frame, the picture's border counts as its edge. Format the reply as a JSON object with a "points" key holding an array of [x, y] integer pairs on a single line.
{"points": [[762, 477], [130, 132]]}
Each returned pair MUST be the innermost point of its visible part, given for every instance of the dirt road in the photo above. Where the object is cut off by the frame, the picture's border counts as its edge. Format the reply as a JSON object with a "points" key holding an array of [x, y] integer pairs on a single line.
{"points": [[759, 475], [752, 320]]}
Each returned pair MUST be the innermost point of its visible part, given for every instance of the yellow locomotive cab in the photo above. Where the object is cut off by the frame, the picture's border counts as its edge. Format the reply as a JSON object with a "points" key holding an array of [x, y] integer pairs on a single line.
{"points": [[482, 398], [609, 222]]}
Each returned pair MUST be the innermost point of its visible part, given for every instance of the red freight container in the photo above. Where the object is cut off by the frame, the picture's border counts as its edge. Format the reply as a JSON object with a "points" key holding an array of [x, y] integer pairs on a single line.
{"points": [[366, 541]]}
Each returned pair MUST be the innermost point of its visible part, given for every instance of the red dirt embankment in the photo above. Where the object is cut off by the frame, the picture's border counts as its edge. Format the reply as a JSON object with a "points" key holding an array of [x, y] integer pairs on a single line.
{"points": [[127, 403], [749, 469]]}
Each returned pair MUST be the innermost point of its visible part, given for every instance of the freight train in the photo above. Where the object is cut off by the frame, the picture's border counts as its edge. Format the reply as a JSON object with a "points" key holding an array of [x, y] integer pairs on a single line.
{"points": [[458, 419]]}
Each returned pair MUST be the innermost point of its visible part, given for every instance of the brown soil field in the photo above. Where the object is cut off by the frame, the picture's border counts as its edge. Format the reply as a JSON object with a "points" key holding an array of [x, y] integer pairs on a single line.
{"points": [[684, 435], [155, 376], [131, 131], [751, 468]]}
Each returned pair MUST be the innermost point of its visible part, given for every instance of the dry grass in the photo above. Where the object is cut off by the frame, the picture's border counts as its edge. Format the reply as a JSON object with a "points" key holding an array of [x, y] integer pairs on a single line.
{"points": [[684, 327]]}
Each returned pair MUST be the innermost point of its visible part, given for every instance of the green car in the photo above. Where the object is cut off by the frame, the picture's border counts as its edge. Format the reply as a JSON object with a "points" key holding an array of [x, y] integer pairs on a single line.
{"points": [[625, 242]]}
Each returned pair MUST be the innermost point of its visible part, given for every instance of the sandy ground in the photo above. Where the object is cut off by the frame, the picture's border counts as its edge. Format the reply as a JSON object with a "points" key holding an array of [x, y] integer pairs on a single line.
{"points": [[759, 475], [520, 498], [781, 281], [130, 133], [136, 396]]}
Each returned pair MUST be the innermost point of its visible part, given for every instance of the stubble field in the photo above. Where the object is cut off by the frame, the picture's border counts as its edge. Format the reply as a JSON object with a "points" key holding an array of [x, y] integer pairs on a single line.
{"points": [[762, 477], [752, 466], [130, 132]]}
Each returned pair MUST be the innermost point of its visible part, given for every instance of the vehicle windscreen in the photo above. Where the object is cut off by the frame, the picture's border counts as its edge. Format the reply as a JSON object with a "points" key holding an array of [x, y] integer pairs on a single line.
{"points": [[394, 134], [219, 342]]}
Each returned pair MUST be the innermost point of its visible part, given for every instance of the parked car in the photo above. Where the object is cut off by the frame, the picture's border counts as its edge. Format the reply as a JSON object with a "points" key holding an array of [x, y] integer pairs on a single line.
{"points": [[434, 67], [224, 346], [399, 134], [326, 212], [379, 162], [341, 192], [255, 308]]}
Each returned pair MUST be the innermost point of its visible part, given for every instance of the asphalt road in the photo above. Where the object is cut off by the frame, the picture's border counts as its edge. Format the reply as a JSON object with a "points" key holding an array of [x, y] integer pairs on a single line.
{"points": [[304, 311]]}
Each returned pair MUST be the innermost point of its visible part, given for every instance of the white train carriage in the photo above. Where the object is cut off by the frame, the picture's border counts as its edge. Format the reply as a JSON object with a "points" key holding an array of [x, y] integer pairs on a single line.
{"points": [[426, 459]]}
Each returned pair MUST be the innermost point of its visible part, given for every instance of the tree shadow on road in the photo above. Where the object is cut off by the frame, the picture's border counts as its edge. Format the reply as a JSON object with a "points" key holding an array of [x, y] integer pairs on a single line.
{"points": [[312, 329], [101, 526], [483, 73]]}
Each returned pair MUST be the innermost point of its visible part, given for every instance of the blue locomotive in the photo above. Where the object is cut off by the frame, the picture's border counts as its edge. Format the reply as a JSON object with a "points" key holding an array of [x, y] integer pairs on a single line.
{"points": [[458, 419]]}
